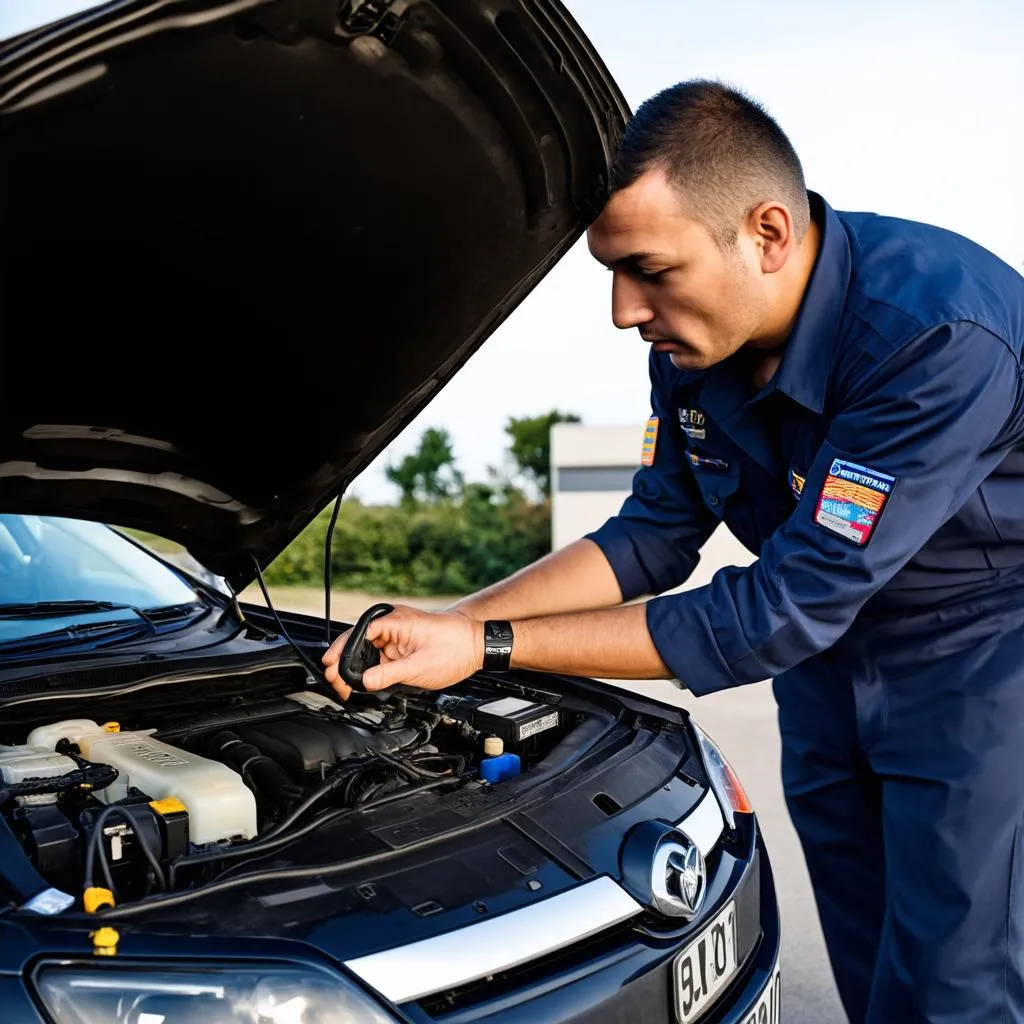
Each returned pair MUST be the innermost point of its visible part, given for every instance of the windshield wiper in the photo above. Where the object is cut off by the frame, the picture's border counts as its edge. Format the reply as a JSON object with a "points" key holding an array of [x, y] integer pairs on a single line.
{"points": [[51, 609], [102, 633], [69, 636]]}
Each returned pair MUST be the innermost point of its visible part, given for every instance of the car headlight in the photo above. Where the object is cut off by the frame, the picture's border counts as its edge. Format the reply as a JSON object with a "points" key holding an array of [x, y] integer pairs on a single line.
{"points": [[724, 781], [154, 994]]}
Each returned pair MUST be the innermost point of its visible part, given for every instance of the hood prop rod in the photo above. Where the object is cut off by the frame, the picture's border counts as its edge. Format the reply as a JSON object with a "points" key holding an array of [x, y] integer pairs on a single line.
{"points": [[327, 569]]}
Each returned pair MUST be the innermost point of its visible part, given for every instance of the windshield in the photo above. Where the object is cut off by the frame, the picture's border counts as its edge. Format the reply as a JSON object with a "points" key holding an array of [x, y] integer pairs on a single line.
{"points": [[45, 559]]}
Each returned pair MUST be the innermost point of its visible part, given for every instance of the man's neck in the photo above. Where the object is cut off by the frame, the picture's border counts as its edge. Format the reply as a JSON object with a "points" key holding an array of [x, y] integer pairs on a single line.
{"points": [[792, 286], [766, 353], [766, 366]]}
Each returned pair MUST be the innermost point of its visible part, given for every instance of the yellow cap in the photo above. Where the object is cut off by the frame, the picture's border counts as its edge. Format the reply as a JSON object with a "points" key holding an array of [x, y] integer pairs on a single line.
{"points": [[94, 897], [169, 805], [494, 746], [112, 727], [104, 941]]}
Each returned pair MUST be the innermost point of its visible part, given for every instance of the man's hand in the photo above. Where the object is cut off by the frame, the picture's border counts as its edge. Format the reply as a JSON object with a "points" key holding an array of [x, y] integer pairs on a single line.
{"points": [[429, 650]]}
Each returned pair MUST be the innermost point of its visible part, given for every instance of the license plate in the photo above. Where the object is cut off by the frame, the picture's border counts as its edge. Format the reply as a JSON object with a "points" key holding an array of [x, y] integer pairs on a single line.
{"points": [[706, 966], [768, 1008]]}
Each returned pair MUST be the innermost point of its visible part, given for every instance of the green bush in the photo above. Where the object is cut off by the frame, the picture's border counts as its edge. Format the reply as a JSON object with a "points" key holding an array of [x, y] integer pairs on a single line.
{"points": [[448, 547]]}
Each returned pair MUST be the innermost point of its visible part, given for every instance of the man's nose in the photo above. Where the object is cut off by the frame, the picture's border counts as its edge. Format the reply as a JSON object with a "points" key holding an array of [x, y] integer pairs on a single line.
{"points": [[629, 307]]}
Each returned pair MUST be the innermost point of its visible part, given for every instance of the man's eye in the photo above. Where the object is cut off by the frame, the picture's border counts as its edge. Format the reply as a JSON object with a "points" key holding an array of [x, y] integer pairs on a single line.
{"points": [[650, 275]]}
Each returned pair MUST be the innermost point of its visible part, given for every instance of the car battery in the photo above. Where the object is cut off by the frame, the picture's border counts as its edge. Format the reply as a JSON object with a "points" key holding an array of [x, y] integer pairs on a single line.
{"points": [[513, 719]]}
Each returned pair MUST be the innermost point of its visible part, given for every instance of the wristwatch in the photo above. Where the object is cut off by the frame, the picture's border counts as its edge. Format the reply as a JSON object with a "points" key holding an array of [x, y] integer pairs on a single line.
{"points": [[497, 645]]}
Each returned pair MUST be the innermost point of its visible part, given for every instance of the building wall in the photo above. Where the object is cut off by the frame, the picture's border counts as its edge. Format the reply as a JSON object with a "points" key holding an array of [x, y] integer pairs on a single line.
{"points": [[592, 471]]}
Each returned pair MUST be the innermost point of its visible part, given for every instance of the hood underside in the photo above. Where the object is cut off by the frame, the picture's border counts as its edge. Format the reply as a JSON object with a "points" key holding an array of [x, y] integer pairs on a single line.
{"points": [[244, 244]]}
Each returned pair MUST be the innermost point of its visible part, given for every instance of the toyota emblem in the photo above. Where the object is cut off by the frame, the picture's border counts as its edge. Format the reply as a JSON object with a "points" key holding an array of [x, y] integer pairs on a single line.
{"points": [[678, 878]]}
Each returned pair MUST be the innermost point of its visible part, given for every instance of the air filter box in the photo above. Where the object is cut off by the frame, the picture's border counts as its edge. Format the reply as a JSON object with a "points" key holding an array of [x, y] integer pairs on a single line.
{"points": [[513, 719]]}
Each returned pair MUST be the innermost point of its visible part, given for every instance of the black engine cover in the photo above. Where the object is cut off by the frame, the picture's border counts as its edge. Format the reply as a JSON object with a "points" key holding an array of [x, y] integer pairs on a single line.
{"points": [[303, 743]]}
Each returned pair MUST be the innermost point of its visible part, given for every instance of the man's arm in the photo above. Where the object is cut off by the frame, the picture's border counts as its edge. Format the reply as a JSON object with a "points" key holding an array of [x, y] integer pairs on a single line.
{"points": [[438, 649], [575, 578], [433, 650]]}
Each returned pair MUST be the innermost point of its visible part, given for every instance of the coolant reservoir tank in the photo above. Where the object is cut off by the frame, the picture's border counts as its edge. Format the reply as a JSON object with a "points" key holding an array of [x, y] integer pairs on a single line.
{"points": [[32, 762], [219, 803], [50, 735]]}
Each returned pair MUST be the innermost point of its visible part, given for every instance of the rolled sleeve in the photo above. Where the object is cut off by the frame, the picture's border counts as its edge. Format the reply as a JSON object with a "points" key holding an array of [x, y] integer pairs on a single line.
{"points": [[654, 542], [938, 416]]}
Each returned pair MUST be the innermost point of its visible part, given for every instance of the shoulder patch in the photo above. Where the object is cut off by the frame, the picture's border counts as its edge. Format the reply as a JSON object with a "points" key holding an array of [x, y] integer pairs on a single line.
{"points": [[852, 499], [650, 442]]}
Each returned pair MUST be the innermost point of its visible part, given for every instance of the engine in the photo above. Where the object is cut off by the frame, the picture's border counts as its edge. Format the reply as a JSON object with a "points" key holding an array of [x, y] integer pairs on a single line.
{"points": [[134, 809]]}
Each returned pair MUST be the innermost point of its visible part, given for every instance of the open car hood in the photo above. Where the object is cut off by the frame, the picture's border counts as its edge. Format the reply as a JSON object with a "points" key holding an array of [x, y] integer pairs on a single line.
{"points": [[246, 242]]}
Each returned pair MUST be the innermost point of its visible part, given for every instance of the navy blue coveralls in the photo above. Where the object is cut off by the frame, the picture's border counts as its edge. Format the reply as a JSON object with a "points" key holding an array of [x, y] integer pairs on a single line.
{"points": [[879, 477]]}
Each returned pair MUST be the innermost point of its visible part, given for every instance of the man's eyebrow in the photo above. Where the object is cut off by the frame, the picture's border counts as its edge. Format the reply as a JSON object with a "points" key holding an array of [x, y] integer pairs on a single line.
{"points": [[630, 260]]}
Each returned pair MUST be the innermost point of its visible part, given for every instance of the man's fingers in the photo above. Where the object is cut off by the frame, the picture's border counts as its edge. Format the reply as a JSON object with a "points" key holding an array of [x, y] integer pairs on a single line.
{"points": [[333, 677], [386, 628], [342, 689], [387, 673], [333, 653]]}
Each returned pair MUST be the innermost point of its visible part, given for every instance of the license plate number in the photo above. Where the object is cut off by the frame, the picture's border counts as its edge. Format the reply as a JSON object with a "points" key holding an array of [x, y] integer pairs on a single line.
{"points": [[706, 966]]}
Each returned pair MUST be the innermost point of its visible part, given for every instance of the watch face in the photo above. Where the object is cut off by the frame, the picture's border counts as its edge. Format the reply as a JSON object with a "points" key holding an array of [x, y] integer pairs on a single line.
{"points": [[497, 632]]}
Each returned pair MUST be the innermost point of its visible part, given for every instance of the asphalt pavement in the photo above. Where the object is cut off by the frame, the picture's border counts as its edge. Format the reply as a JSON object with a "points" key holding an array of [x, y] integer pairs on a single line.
{"points": [[743, 722]]}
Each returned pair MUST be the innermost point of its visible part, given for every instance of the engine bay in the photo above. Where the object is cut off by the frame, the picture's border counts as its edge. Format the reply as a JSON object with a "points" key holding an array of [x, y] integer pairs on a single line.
{"points": [[159, 801]]}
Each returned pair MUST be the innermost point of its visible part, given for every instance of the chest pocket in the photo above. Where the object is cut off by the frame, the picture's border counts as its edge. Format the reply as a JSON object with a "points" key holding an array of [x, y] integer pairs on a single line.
{"points": [[801, 440], [716, 477]]}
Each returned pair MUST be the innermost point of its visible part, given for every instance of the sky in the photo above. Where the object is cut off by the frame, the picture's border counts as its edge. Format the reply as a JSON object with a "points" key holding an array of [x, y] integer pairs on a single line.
{"points": [[913, 108]]}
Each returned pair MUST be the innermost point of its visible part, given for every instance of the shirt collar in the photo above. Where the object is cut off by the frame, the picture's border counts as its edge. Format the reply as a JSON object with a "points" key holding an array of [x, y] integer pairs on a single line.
{"points": [[804, 371]]}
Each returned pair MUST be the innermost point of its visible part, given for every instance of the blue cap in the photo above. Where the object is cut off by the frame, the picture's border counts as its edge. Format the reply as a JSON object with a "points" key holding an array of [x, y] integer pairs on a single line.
{"points": [[498, 769]]}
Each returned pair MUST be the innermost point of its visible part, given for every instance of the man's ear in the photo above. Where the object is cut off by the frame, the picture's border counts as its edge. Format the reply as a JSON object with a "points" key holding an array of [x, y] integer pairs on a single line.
{"points": [[771, 227]]}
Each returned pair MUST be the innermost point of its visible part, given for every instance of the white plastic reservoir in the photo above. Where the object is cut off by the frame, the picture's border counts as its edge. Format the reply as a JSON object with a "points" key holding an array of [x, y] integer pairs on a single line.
{"points": [[220, 805], [25, 762]]}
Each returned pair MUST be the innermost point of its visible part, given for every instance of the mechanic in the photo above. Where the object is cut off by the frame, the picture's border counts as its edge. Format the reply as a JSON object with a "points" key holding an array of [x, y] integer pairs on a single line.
{"points": [[845, 391]]}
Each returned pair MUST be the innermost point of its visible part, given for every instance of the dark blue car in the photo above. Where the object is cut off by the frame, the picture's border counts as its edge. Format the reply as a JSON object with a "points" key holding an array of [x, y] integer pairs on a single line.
{"points": [[215, 214]]}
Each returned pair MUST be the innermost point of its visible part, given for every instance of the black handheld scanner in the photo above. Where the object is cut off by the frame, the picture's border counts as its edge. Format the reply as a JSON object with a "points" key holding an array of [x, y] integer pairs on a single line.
{"points": [[359, 654]]}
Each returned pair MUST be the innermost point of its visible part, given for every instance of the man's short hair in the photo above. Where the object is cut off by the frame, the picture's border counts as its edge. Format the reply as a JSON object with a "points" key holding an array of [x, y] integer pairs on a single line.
{"points": [[722, 150]]}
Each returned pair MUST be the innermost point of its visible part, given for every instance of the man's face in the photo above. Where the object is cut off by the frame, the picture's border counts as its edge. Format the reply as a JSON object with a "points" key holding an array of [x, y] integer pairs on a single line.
{"points": [[684, 294]]}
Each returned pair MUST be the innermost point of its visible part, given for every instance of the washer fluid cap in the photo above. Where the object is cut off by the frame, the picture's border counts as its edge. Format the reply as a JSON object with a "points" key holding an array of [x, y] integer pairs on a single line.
{"points": [[494, 746]]}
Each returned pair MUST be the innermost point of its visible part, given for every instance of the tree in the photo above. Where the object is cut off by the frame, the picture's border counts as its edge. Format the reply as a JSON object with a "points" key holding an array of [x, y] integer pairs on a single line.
{"points": [[429, 474], [531, 445]]}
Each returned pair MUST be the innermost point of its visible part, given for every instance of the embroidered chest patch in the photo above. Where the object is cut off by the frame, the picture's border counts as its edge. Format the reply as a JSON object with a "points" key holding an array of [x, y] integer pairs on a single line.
{"points": [[650, 442], [693, 423], [706, 461], [796, 483], [852, 499]]}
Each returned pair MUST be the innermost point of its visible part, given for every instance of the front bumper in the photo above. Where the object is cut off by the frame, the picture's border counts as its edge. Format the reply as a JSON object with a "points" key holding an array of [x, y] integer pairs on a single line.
{"points": [[620, 976]]}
